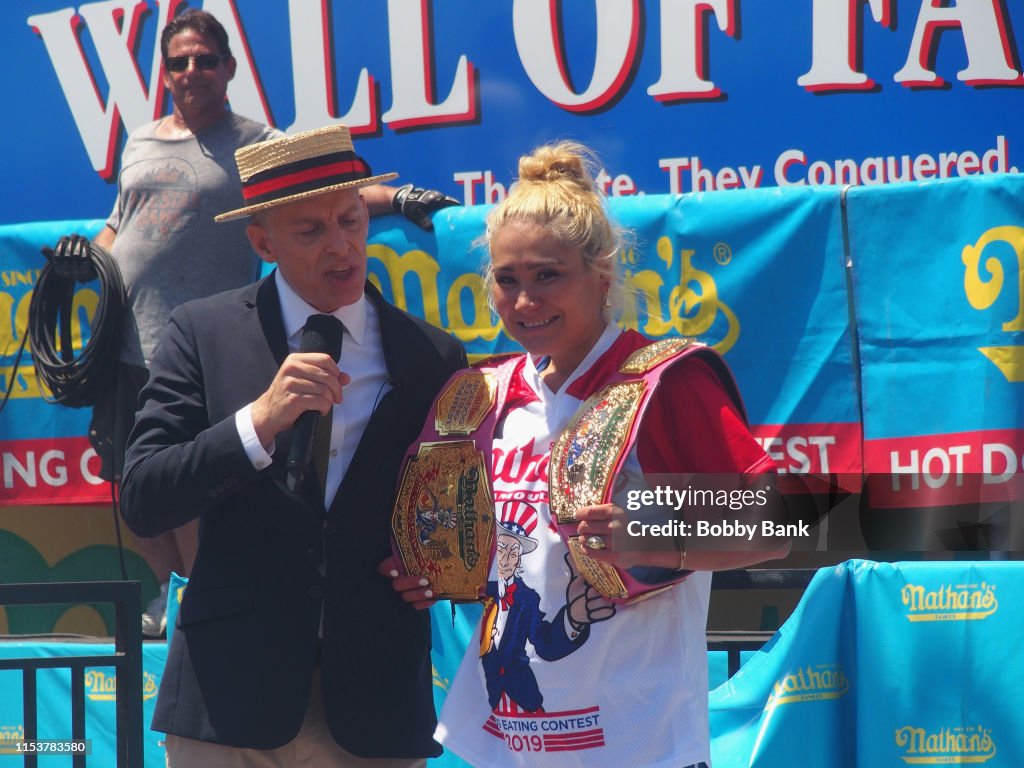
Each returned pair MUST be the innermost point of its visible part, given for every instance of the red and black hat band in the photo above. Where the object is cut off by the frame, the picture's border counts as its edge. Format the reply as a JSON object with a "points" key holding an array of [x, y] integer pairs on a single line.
{"points": [[304, 176]]}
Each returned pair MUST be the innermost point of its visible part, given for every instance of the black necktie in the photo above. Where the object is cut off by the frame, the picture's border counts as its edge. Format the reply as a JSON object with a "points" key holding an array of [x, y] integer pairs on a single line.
{"points": [[322, 448], [322, 437]]}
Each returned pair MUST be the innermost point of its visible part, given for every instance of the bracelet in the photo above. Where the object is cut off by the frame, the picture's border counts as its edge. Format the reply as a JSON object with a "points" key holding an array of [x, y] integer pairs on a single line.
{"points": [[682, 555]]}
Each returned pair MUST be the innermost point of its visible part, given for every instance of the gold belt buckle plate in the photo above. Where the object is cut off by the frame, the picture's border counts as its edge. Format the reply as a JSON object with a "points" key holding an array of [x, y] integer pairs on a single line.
{"points": [[583, 461], [443, 520], [465, 403]]}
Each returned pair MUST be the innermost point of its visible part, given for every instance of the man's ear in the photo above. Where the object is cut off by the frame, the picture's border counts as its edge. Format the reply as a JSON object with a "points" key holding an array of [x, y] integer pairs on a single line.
{"points": [[260, 240]]}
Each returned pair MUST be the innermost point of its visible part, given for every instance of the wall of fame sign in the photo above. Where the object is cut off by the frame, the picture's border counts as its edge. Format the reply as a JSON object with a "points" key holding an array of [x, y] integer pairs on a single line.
{"points": [[676, 96]]}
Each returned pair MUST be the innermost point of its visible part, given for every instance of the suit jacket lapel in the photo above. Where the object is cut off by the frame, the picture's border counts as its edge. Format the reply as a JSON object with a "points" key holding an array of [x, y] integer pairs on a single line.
{"points": [[268, 309]]}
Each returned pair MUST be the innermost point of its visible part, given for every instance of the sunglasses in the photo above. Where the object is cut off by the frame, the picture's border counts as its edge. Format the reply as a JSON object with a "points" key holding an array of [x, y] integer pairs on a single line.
{"points": [[204, 61]]}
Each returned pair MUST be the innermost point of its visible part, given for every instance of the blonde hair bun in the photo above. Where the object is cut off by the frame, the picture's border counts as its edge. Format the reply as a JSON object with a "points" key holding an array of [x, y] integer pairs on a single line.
{"points": [[564, 161]]}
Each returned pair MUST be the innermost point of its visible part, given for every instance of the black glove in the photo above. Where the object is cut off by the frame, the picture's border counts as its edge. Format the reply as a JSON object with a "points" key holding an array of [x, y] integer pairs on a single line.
{"points": [[71, 259], [417, 204]]}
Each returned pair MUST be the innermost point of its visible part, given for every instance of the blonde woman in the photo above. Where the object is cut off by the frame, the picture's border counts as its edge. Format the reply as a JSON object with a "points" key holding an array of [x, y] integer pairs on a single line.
{"points": [[559, 674]]}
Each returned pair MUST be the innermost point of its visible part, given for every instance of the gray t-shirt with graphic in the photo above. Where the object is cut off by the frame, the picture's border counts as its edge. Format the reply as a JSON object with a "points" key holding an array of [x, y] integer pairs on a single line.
{"points": [[168, 247]]}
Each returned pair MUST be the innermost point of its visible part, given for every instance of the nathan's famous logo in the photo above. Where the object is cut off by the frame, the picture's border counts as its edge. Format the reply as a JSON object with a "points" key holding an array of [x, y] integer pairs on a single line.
{"points": [[690, 308], [10, 735], [466, 322], [811, 683], [693, 305], [440, 681], [982, 292], [950, 602], [99, 686], [960, 744], [14, 304]]}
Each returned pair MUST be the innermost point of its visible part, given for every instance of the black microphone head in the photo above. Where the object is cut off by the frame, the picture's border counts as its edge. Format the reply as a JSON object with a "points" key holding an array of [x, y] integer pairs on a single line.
{"points": [[322, 333]]}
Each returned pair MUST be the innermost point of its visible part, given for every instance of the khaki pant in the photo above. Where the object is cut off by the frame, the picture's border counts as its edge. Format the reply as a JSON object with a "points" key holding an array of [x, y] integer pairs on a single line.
{"points": [[313, 747]]}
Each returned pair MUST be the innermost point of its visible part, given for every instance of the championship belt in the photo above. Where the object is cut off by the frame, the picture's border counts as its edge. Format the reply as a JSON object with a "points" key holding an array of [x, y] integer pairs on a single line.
{"points": [[591, 450], [443, 520]]}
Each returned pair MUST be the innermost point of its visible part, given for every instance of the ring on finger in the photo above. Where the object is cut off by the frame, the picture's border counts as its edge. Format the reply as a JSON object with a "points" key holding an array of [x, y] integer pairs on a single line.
{"points": [[594, 542]]}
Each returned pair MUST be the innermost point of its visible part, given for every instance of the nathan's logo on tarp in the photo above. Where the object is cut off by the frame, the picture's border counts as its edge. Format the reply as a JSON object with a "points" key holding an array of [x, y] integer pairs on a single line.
{"points": [[962, 744], [691, 308], [950, 602], [440, 681], [811, 683], [99, 686], [16, 287], [9, 736], [412, 281], [984, 284]]}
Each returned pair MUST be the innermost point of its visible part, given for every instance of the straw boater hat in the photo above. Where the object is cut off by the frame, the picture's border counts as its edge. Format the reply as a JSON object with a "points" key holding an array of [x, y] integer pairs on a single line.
{"points": [[292, 168]]}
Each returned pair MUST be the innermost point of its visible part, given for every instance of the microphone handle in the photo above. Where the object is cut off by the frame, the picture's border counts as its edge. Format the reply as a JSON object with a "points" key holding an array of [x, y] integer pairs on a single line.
{"points": [[321, 333], [301, 449]]}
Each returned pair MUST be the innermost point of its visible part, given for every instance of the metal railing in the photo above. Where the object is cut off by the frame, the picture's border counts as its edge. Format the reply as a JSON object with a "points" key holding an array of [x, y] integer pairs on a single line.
{"points": [[734, 642], [126, 660]]}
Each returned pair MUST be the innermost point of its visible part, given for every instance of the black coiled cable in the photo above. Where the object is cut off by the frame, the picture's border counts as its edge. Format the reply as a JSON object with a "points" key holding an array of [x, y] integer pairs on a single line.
{"points": [[76, 382]]}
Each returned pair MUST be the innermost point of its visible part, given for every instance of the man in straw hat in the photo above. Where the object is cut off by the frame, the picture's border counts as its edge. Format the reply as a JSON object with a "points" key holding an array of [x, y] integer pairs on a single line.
{"points": [[176, 174], [288, 641]]}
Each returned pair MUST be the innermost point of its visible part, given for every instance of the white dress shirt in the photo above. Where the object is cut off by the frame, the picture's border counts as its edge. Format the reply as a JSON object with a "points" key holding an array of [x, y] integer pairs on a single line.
{"points": [[362, 358]]}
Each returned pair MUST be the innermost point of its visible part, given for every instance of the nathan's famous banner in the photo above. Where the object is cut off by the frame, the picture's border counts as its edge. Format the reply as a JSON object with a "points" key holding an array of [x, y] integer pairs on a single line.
{"points": [[675, 95], [45, 457], [941, 685], [54, 696], [758, 275], [939, 301]]}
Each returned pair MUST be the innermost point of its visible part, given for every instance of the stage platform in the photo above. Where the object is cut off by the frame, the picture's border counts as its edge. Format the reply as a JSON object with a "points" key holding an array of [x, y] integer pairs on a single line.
{"points": [[881, 664], [54, 687]]}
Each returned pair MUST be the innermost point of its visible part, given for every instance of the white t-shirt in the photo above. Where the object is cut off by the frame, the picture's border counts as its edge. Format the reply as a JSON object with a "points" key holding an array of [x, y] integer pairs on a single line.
{"points": [[629, 690]]}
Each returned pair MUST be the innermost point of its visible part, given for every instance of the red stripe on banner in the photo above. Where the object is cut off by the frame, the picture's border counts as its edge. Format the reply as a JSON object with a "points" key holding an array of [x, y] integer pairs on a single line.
{"points": [[301, 177], [558, 738], [585, 740], [50, 471], [492, 727], [946, 469], [517, 712], [813, 448]]}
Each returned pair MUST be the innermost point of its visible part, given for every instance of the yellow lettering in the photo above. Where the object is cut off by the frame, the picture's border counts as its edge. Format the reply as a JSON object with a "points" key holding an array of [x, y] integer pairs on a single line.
{"points": [[481, 327], [645, 287], [683, 300], [418, 263], [12, 278], [693, 305], [9, 337], [26, 383], [912, 594], [982, 293]]}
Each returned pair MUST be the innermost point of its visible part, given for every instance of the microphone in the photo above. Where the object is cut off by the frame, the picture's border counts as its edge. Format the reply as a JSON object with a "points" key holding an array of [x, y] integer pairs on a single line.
{"points": [[322, 333]]}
